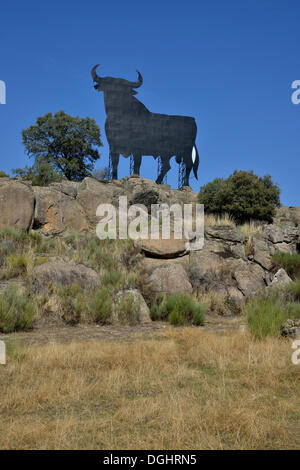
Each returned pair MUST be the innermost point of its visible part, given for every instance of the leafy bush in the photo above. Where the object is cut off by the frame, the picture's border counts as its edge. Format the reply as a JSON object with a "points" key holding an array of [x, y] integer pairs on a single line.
{"points": [[243, 195], [178, 309], [128, 310], [66, 143], [293, 310], [112, 278], [3, 174], [40, 173], [293, 289], [77, 306], [289, 262], [10, 233], [17, 263], [100, 305], [265, 316], [24, 240], [72, 303], [17, 311]]}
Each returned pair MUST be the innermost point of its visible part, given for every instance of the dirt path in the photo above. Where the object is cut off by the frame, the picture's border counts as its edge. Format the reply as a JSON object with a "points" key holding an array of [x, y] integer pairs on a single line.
{"points": [[81, 333]]}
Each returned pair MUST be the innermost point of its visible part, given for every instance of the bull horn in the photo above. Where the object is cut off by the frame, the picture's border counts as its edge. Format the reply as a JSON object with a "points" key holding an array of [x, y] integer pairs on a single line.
{"points": [[138, 83], [95, 77]]}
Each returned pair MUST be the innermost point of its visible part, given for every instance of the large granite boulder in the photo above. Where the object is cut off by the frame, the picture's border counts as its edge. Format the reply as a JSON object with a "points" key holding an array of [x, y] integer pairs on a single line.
{"points": [[225, 240], [280, 279], [225, 233], [91, 193], [284, 239], [63, 274], [16, 204], [250, 277], [262, 252], [163, 248], [169, 279], [57, 212], [140, 311]]}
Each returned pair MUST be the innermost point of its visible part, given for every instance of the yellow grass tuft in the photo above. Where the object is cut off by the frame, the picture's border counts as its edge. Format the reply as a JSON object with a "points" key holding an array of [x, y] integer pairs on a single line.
{"points": [[213, 219]]}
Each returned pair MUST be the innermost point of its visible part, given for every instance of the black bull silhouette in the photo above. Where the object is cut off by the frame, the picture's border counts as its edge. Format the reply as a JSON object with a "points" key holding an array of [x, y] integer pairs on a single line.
{"points": [[131, 129]]}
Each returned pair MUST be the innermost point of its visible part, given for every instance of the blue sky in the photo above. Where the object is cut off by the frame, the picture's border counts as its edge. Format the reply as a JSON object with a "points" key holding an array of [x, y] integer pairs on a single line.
{"points": [[230, 64]]}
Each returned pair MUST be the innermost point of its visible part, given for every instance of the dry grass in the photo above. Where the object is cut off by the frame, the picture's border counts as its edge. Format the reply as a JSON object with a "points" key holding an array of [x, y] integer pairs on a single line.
{"points": [[213, 219], [248, 228], [186, 389]]}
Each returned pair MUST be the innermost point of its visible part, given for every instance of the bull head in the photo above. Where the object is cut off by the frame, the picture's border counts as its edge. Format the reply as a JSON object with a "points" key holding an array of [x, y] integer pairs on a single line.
{"points": [[116, 84]]}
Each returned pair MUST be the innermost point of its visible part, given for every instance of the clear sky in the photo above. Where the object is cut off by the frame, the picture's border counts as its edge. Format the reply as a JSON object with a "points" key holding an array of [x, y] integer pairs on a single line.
{"points": [[230, 64]]}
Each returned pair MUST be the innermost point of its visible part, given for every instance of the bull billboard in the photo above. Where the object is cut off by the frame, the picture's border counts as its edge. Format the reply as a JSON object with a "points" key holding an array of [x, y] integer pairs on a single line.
{"points": [[132, 130]]}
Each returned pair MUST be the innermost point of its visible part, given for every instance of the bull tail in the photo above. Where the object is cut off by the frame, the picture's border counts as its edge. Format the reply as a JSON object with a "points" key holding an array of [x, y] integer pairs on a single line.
{"points": [[195, 160]]}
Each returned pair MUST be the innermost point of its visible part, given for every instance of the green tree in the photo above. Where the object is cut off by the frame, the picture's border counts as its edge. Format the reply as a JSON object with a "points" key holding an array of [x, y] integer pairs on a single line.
{"points": [[41, 173], [3, 174], [243, 195], [66, 143]]}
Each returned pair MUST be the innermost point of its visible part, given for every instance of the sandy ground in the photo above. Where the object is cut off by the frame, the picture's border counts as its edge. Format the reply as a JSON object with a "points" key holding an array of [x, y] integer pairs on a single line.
{"points": [[68, 334]]}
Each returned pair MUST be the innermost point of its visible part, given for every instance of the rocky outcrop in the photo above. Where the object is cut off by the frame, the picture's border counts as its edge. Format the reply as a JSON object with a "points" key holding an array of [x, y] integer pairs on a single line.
{"points": [[91, 193], [229, 263], [16, 204], [57, 211], [288, 215], [63, 274], [271, 240]]}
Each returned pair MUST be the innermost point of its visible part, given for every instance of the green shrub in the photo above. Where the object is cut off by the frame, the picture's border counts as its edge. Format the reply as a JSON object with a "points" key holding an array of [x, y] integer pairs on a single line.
{"points": [[3, 174], [88, 249], [23, 240], [176, 318], [112, 278], [178, 309], [16, 264], [72, 303], [293, 289], [265, 316], [77, 305], [243, 195], [100, 305], [128, 310], [17, 311], [40, 173], [293, 310], [289, 262], [10, 233]]}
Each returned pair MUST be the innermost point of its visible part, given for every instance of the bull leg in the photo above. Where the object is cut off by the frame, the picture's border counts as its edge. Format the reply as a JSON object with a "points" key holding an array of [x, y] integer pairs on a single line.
{"points": [[137, 159], [165, 168], [115, 162], [188, 168], [187, 177]]}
